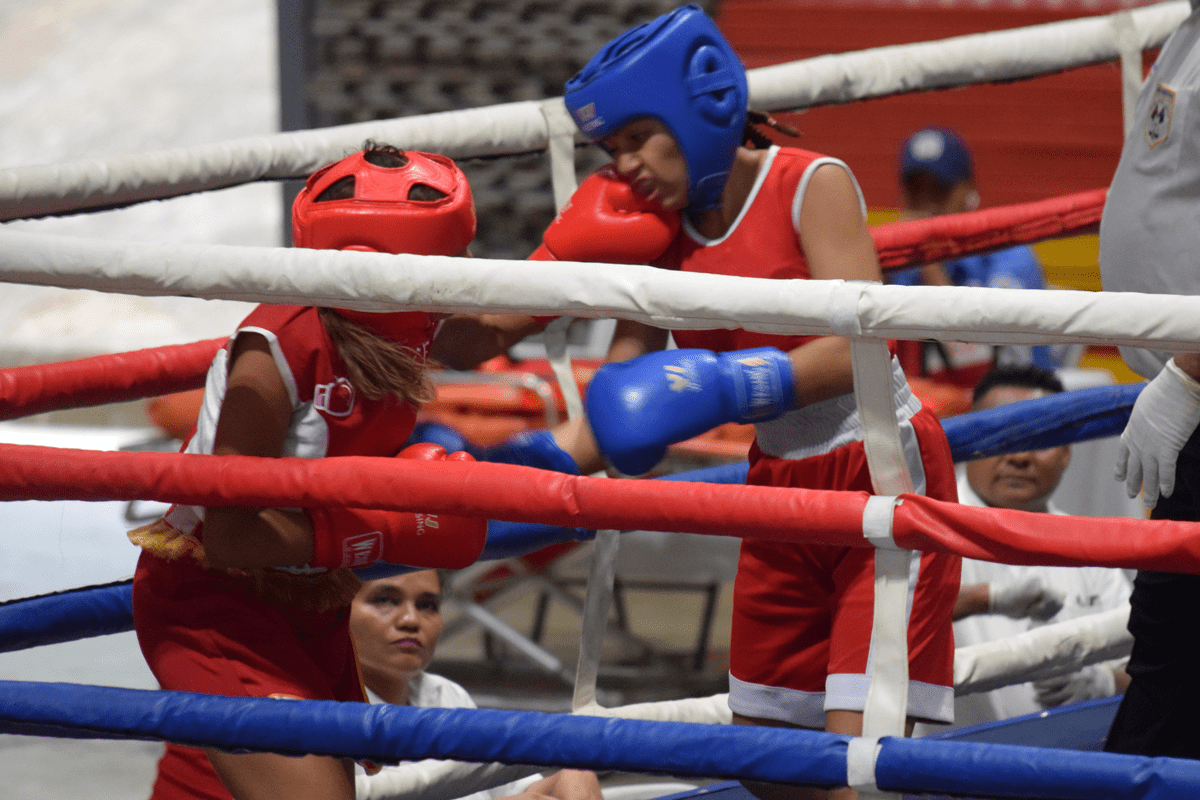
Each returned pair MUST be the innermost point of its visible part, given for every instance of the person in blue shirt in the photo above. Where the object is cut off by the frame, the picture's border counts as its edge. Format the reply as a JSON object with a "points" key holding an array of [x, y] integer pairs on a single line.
{"points": [[937, 176]]}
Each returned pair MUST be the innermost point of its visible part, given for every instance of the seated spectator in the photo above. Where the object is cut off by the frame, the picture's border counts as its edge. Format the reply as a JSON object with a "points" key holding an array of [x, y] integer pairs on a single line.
{"points": [[998, 600], [396, 623], [937, 176]]}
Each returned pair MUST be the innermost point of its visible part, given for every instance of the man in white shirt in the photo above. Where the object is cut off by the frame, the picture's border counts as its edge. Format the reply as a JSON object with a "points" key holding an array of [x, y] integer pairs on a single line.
{"points": [[997, 600]]}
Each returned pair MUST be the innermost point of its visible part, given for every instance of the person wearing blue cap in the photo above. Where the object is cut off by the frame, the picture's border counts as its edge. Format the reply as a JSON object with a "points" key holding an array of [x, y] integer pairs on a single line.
{"points": [[937, 176], [668, 101], [937, 173]]}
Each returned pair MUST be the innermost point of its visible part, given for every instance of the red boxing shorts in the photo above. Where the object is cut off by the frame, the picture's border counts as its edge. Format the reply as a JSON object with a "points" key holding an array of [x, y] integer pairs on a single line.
{"points": [[802, 614], [184, 773], [203, 631]]}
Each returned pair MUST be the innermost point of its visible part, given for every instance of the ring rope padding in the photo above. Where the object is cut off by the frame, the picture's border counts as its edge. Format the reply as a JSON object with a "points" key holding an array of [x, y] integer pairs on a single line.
{"points": [[386, 733]]}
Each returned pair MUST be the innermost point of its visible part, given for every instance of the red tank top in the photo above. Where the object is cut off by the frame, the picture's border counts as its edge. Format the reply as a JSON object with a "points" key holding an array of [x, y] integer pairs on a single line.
{"points": [[762, 243], [326, 405]]}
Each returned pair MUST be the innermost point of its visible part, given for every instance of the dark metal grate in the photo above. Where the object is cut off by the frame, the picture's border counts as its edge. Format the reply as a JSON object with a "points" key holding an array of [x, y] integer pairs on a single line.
{"points": [[377, 60]]}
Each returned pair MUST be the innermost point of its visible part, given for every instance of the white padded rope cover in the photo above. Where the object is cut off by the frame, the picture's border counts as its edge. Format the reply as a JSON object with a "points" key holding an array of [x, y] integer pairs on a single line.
{"points": [[381, 282], [47, 189], [958, 61], [521, 127], [712, 710], [1043, 652], [436, 779], [1038, 653]]}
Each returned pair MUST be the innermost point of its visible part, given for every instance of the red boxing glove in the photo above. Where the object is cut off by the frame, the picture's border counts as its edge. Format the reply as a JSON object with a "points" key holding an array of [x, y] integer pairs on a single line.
{"points": [[605, 220], [359, 537]]}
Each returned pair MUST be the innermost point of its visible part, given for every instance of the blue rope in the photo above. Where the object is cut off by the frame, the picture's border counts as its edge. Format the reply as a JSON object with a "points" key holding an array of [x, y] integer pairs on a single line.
{"points": [[386, 733]]}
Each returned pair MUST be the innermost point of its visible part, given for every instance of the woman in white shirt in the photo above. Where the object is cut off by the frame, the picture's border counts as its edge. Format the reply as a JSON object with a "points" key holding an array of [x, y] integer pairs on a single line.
{"points": [[396, 623]]}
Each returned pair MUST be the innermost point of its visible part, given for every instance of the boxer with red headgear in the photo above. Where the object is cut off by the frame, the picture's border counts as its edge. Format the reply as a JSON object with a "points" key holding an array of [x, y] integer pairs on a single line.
{"points": [[255, 602], [384, 200], [388, 201]]}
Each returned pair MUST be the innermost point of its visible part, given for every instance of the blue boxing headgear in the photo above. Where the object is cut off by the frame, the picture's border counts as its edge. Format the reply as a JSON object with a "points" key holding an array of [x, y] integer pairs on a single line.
{"points": [[680, 70]]}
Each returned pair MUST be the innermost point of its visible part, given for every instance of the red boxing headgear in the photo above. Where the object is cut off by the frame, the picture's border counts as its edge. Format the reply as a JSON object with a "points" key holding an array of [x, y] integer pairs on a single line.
{"points": [[381, 216]]}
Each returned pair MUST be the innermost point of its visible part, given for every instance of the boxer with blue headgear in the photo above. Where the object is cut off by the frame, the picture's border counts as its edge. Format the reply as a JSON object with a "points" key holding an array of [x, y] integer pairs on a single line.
{"points": [[667, 100], [687, 76]]}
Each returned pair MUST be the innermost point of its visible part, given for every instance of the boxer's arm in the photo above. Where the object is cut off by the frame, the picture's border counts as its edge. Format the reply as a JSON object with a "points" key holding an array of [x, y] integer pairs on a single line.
{"points": [[254, 421], [632, 339], [837, 245], [464, 341]]}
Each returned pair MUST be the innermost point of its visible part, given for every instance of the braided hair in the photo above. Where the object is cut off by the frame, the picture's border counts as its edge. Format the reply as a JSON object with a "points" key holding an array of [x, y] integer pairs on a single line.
{"points": [[755, 138]]}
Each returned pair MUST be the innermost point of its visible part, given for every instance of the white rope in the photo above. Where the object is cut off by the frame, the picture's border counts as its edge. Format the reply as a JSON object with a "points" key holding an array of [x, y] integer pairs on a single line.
{"points": [[712, 710], [44, 189], [1043, 652], [522, 127], [664, 298], [437, 779], [959, 61]]}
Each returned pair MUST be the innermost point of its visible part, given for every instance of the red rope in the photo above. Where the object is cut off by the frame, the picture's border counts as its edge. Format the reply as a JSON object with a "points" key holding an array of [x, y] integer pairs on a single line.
{"points": [[524, 494], [926, 241], [114, 378]]}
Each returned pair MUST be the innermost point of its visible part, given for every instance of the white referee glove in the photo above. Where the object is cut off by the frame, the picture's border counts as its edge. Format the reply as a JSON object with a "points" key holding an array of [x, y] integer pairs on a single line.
{"points": [[1030, 597], [1166, 413], [1089, 683]]}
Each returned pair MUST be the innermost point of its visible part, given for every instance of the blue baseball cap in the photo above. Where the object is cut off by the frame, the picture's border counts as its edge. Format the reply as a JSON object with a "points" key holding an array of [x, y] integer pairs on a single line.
{"points": [[939, 152]]}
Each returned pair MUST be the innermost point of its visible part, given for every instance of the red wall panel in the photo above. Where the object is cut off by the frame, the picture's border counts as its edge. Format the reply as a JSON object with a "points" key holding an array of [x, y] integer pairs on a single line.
{"points": [[1031, 139]]}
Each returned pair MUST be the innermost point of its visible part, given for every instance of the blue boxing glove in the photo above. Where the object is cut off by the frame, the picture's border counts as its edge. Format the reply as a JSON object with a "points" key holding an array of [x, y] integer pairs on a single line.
{"points": [[532, 448], [638, 407], [443, 435]]}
